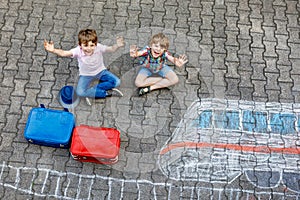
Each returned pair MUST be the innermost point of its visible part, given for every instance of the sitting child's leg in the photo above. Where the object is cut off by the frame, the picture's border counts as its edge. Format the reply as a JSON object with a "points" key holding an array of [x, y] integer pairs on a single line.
{"points": [[168, 78], [84, 89], [144, 78], [107, 81], [143, 81]]}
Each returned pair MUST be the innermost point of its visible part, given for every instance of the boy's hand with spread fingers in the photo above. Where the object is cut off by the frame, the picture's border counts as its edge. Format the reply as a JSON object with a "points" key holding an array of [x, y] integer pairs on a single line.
{"points": [[133, 51], [120, 41], [181, 60], [49, 46]]}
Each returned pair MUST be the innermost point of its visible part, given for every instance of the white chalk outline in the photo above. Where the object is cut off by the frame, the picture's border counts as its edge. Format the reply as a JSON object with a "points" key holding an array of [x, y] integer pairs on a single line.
{"points": [[193, 191]]}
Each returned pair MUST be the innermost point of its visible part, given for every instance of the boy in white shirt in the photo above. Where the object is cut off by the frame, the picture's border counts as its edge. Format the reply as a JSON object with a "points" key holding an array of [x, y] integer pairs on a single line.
{"points": [[89, 54]]}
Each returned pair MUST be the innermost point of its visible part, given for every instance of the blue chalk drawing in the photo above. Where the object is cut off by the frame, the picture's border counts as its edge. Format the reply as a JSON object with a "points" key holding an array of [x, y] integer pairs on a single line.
{"points": [[255, 121], [252, 121]]}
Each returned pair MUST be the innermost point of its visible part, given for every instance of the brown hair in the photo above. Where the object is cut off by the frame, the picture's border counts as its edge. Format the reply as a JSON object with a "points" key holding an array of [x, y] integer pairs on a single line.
{"points": [[86, 35], [161, 39]]}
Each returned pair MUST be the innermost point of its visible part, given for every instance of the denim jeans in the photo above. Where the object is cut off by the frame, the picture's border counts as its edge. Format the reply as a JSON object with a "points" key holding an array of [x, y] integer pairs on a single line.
{"points": [[107, 81]]}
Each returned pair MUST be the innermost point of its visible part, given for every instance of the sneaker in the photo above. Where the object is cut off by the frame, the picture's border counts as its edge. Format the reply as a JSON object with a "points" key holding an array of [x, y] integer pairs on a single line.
{"points": [[144, 90], [114, 92], [88, 102]]}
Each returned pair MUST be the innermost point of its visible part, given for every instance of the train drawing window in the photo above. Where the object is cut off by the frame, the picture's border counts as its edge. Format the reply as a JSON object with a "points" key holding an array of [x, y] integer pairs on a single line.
{"points": [[252, 121], [218, 140]]}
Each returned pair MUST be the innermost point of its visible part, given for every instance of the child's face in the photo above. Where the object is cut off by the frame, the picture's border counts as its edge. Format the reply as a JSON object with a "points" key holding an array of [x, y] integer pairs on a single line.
{"points": [[88, 48], [157, 50]]}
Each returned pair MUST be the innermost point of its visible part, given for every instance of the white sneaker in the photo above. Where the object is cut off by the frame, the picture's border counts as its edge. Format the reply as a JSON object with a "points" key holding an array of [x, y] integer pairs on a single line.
{"points": [[88, 102], [118, 91], [114, 92]]}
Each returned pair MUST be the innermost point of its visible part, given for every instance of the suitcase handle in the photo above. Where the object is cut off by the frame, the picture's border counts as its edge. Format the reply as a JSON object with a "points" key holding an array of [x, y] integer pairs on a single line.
{"points": [[63, 118], [43, 106]]}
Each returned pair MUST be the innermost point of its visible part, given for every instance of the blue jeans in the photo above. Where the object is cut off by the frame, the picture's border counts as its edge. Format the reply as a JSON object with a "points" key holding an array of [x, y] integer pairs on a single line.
{"points": [[107, 81]]}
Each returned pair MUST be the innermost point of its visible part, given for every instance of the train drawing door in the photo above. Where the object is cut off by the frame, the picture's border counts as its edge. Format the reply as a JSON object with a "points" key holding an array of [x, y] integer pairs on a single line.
{"points": [[218, 140]]}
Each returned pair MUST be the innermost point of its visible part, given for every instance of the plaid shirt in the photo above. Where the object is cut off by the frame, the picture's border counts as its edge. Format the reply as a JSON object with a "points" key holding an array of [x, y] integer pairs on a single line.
{"points": [[154, 64]]}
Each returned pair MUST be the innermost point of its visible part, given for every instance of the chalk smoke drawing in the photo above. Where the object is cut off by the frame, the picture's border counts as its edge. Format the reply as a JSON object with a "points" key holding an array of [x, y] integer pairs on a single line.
{"points": [[218, 140], [49, 183]]}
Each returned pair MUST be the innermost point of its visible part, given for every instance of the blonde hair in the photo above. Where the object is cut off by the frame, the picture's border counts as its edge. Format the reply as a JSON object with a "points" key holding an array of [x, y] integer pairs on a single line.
{"points": [[161, 39], [87, 35]]}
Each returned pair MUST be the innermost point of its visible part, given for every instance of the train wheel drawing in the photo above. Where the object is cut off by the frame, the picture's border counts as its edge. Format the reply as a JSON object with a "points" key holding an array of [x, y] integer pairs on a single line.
{"points": [[292, 181], [264, 178]]}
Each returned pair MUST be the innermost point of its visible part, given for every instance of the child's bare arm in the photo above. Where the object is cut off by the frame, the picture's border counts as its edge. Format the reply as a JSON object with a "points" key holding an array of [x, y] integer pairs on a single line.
{"points": [[120, 43], [49, 46], [180, 61]]}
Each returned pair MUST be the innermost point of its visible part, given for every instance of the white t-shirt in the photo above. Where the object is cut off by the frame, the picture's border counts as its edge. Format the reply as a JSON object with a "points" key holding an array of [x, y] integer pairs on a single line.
{"points": [[90, 65]]}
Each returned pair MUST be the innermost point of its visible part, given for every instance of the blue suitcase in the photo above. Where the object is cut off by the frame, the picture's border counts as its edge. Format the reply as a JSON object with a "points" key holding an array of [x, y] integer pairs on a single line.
{"points": [[49, 127]]}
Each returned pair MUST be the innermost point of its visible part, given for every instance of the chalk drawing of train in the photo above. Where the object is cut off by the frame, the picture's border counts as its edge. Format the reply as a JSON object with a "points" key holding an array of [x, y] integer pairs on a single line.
{"points": [[218, 140]]}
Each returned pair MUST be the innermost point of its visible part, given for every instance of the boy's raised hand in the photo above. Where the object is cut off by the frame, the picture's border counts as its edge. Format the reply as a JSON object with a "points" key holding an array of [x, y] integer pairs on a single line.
{"points": [[49, 46], [181, 60], [120, 42], [133, 50]]}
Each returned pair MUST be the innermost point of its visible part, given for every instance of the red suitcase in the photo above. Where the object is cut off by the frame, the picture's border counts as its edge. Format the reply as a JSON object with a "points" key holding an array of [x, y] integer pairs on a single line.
{"points": [[95, 144]]}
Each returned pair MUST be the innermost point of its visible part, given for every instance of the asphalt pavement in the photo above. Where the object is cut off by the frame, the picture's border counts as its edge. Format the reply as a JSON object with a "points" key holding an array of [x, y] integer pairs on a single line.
{"points": [[228, 129]]}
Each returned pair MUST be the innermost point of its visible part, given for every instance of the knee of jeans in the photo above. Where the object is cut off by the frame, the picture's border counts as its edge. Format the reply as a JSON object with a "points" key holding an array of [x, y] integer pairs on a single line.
{"points": [[117, 82]]}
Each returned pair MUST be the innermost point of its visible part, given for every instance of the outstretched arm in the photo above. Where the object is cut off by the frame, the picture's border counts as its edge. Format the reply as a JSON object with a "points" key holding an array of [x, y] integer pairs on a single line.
{"points": [[49, 46], [119, 43], [180, 61]]}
